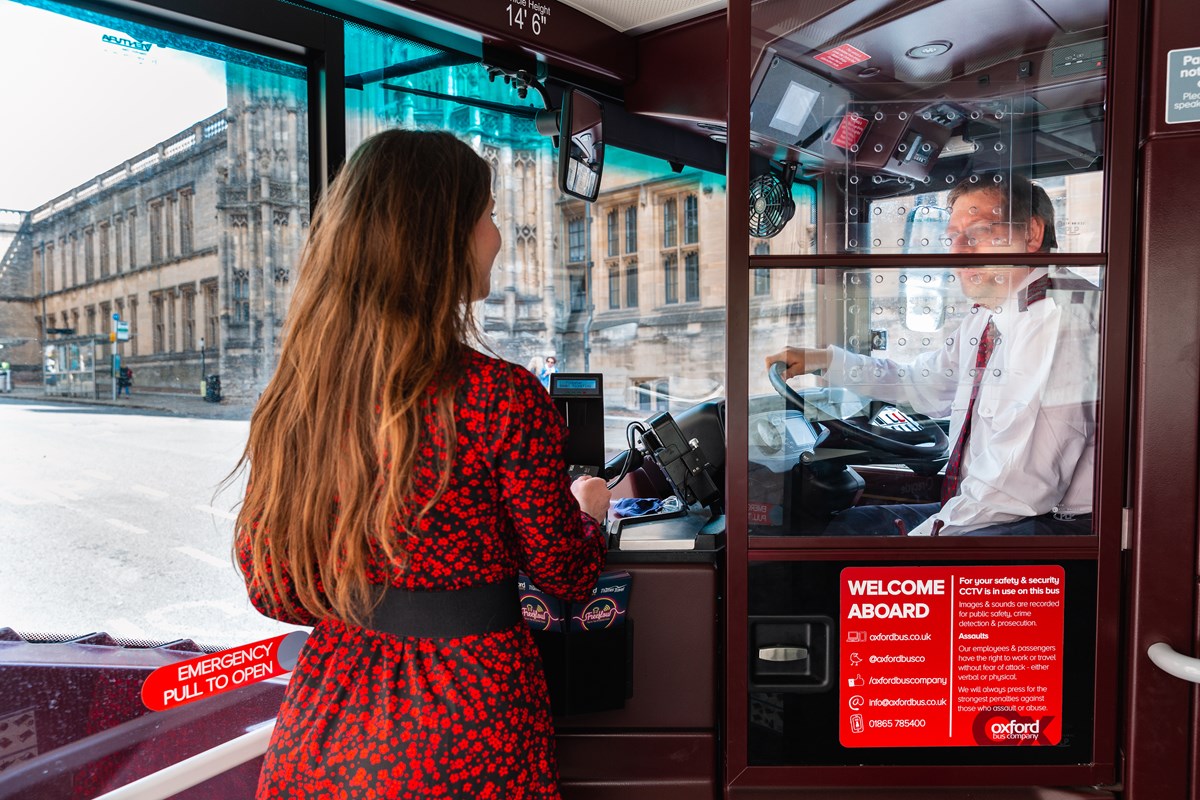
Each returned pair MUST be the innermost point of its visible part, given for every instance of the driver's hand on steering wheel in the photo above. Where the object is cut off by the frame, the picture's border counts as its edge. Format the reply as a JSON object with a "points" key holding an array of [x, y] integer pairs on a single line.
{"points": [[801, 360]]}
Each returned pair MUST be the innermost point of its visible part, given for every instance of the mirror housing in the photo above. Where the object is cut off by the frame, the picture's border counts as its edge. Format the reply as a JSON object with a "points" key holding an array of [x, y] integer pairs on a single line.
{"points": [[581, 146]]}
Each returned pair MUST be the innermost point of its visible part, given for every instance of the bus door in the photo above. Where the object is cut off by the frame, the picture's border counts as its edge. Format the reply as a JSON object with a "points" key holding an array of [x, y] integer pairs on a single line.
{"points": [[928, 577]]}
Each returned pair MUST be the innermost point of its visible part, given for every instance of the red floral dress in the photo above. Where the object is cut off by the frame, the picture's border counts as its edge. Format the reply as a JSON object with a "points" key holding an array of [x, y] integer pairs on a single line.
{"points": [[372, 715]]}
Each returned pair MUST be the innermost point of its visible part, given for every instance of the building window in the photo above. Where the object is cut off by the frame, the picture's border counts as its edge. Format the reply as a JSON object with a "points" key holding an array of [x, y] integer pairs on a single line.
{"points": [[662, 396], [90, 314], [106, 316], [185, 222], [614, 234], [631, 229], [643, 393], [89, 254], [132, 217], [631, 284], [48, 267], [74, 260], [671, 277], [578, 293], [674, 251], [614, 286], [157, 321], [118, 242], [212, 316], [762, 282], [171, 324], [104, 246], [169, 227], [670, 223], [187, 302], [691, 277], [762, 277], [241, 297], [576, 240], [156, 232], [133, 325], [691, 219]]}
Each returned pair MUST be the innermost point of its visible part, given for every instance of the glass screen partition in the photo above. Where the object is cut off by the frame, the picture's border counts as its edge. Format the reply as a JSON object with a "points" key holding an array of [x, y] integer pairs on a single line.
{"points": [[887, 362], [631, 286]]}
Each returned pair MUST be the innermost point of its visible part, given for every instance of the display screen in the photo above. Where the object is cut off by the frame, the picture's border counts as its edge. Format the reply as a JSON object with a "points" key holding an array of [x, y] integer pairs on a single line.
{"points": [[578, 385]]}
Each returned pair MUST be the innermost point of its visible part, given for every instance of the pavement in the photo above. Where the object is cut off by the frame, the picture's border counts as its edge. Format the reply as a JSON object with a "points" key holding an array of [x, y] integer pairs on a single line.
{"points": [[146, 401]]}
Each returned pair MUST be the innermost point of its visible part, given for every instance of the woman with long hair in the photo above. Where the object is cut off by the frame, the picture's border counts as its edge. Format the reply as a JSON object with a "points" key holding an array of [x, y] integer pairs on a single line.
{"points": [[398, 480]]}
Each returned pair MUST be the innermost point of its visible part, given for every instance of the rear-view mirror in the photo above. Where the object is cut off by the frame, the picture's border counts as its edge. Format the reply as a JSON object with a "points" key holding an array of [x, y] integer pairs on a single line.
{"points": [[581, 146]]}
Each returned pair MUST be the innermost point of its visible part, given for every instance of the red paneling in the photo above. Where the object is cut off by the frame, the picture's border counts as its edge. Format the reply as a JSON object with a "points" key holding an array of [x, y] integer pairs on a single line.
{"points": [[1162, 576], [648, 766], [681, 72]]}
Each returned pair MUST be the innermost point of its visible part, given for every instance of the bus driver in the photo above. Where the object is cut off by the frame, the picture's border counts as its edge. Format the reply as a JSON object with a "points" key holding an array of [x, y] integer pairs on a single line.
{"points": [[1017, 379]]}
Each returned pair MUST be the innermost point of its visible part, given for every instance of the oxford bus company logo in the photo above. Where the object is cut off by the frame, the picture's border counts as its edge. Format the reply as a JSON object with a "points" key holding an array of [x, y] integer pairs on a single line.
{"points": [[537, 614], [1007, 727], [599, 613]]}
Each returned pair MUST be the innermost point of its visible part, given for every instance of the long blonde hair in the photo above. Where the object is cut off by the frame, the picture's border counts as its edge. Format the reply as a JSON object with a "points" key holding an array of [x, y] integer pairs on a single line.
{"points": [[377, 328]]}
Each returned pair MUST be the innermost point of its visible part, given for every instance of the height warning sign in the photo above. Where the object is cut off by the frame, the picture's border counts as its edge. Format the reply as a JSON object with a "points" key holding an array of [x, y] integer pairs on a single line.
{"points": [[951, 656]]}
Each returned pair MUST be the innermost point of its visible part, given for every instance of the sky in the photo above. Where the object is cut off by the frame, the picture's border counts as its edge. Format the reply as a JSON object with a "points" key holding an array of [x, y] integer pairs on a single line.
{"points": [[73, 106]]}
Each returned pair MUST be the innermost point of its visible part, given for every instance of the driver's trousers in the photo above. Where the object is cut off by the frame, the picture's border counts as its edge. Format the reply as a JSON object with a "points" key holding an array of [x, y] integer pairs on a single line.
{"points": [[898, 519]]}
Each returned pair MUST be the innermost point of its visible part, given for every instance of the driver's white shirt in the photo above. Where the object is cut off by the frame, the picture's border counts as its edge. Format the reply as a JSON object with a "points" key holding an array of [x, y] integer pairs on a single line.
{"points": [[1031, 448]]}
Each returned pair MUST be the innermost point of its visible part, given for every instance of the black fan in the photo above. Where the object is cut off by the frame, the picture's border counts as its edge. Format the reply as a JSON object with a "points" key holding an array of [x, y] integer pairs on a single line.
{"points": [[771, 203]]}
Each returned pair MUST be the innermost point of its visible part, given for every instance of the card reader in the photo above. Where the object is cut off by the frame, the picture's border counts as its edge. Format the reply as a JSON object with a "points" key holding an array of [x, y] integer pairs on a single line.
{"points": [[579, 397]]}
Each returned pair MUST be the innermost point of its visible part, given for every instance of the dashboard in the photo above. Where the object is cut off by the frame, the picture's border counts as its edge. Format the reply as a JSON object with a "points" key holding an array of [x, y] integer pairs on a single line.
{"points": [[779, 437]]}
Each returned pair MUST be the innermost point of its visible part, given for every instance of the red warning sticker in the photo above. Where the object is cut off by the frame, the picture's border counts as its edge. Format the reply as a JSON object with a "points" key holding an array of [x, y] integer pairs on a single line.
{"points": [[197, 678], [951, 656], [849, 131], [842, 56]]}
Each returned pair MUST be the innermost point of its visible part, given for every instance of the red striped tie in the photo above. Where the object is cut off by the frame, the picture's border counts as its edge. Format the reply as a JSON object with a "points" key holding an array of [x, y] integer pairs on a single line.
{"points": [[954, 465]]}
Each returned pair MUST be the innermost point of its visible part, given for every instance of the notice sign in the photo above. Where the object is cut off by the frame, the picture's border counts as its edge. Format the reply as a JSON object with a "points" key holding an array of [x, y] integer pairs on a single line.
{"points": [[1183, 86], [951, 656], [849, 131], [186, 681], [842, 56]]}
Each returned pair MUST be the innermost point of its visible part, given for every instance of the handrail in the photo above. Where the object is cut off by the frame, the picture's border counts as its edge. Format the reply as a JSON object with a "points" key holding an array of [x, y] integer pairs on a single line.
{"points": [[193, 771], [1173, 663]]}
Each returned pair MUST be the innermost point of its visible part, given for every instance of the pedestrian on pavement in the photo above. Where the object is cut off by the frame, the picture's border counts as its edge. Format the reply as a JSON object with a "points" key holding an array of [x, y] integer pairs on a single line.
{"points": [[124, 381]]}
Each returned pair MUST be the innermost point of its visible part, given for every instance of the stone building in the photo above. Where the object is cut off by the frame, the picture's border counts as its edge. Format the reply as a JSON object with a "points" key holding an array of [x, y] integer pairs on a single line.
{"points": [[18, 331], [190, 243]]}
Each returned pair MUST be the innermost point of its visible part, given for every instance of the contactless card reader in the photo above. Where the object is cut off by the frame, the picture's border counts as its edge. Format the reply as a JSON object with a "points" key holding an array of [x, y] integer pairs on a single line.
{"points": [[579, 397]]}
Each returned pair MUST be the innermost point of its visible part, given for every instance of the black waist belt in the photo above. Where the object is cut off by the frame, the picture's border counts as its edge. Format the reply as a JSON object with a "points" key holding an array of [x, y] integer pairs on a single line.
{"points": [[448, 614]]}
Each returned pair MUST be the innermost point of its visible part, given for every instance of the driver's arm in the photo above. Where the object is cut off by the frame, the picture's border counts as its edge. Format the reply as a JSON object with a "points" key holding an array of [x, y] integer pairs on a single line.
{"points": [[801, 360]]}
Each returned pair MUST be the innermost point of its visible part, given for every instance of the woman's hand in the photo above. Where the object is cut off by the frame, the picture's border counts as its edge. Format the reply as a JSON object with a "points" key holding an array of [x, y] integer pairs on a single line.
{"points": [[593, 496]]}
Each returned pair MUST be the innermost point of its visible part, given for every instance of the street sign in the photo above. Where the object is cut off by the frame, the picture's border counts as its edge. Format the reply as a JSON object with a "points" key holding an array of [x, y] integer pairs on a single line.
{"points": [[122, 330]]}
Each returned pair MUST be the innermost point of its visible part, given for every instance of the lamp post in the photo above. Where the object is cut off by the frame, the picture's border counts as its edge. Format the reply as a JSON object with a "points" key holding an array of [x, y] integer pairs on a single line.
{"points": [[202, 377]]}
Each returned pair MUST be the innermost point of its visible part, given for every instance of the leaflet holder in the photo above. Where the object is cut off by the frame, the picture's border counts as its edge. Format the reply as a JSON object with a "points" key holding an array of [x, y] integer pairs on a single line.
{"points": [[579, 397]]}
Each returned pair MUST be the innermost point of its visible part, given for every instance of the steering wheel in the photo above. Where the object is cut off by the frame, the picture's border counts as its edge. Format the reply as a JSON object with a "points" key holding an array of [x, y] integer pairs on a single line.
{"points": [[891, 431]]}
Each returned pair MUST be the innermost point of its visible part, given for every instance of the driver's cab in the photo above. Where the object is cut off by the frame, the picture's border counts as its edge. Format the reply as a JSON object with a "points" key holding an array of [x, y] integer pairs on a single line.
{"points": [[1001, 169]]}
